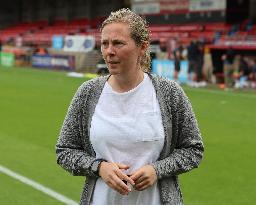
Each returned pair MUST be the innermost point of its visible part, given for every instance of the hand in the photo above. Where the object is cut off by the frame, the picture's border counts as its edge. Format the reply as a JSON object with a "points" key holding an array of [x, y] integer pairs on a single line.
{"points": [[144, 177], [112, 175]]}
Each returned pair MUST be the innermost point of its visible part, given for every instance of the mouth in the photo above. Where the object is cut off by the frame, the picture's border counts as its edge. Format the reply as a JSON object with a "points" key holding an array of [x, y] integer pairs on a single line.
{"points": [[113, 62]]}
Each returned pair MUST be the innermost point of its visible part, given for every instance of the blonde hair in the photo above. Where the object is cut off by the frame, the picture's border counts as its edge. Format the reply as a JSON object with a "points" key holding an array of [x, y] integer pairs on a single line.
{"points": [[139, 31]]}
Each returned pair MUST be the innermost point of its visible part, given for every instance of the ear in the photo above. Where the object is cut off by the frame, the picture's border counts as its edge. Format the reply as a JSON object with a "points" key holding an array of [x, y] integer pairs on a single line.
{"points": [[144, 46]]}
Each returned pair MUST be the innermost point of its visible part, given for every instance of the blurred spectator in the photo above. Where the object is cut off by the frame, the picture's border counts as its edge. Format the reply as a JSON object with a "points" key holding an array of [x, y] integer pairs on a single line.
{"points": [[253, 73], [192, 55], [217, 36], [195, 56], [177, 54], [207, 66], [228, 60], [249, 25], [242, 76], [200, 59], [233, 30], [41, 51]]}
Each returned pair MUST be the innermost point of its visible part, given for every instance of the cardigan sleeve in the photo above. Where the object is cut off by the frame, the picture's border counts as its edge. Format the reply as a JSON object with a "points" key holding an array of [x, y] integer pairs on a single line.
{"points": [[187, 146], [70, 147]]}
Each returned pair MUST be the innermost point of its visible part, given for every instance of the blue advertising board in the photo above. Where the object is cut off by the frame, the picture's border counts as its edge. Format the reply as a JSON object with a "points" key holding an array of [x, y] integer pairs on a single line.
{"points": [[165, 68], [183, 74], [57, 42]]}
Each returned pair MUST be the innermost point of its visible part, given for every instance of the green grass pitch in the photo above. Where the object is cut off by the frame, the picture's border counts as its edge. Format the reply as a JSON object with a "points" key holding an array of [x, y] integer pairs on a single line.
{"points": [[33, 104]]}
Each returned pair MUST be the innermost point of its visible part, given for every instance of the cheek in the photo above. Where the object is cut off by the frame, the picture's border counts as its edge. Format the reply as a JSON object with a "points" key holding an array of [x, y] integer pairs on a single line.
{"points": [[134, 57], [131, 55]]}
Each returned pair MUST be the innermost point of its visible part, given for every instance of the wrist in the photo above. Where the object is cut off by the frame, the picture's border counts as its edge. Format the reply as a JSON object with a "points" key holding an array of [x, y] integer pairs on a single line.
{"points": [[95, 166], [101, 166]]}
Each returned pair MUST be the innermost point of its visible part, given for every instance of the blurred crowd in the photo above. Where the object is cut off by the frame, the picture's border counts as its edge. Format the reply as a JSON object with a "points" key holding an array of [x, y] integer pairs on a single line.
{"points": [[239, 71]]}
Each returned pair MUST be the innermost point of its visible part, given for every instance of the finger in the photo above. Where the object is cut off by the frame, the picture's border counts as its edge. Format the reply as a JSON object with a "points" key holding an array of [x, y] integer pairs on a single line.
{"points": [[142, 186], [134, 176], [120, 185], [125, 178], [117, 188], [140, 179], [121, 190], [122, 166], [128, 179]]}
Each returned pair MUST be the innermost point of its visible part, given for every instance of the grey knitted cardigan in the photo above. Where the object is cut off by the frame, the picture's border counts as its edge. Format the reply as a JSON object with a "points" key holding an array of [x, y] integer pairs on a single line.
{"points": [[182, 151]]}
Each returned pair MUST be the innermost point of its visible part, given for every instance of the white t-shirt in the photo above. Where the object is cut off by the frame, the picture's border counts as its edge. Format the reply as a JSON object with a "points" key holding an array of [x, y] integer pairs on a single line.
{"points": [[127, 128]]}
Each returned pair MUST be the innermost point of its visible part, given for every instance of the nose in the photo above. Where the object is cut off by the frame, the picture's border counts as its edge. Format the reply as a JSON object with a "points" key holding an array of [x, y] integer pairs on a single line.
{"points": [[110, 50]]}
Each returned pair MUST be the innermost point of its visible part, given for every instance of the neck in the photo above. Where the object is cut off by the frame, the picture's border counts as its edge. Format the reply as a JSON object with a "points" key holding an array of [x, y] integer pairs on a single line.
{"points": [[120, 83]]}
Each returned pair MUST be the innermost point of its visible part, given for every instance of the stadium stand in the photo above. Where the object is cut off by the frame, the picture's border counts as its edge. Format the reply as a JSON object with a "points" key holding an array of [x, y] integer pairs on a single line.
{"points": [[216, 29], [41, 33]]}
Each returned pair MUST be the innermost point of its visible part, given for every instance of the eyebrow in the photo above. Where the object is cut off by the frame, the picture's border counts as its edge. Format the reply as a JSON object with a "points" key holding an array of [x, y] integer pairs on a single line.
{"points": [[113, 40]]}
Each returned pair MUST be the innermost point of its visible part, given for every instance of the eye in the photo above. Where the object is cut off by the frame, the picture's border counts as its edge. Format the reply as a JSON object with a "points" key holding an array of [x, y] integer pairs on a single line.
{"points": [[104, 44], [118, 43]]}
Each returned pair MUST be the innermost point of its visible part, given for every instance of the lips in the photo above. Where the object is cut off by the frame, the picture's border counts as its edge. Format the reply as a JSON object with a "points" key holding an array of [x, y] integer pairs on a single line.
{"points": [[113, 62]]}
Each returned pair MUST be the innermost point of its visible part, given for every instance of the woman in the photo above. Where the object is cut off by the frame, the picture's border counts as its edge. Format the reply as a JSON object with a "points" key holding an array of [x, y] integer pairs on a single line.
{"points": [[130, 133]]}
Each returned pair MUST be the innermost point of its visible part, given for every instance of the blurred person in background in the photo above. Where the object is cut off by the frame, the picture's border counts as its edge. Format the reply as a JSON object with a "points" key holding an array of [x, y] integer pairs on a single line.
{"points": [[243, 73], [194, 62], [177, 55], [208, 66], [253, 73], [200, 59], [228, 68], [130, 133]]}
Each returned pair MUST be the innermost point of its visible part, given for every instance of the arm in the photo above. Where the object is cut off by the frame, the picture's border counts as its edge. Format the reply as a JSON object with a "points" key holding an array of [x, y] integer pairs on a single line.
{"points": [[70, 147], [188, 146]]}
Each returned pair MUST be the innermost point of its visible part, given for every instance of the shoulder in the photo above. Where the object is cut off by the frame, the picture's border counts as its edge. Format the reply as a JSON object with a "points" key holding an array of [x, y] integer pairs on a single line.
{"points": [[170, 92], [165, 85], [92, 85]]}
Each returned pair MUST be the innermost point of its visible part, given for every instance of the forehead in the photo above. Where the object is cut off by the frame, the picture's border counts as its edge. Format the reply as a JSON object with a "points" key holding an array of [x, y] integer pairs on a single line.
{"points": [[115, 30]]}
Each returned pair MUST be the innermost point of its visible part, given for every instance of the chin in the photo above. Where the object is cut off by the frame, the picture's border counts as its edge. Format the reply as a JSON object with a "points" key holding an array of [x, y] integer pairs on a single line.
{"points": [[113, 71]]}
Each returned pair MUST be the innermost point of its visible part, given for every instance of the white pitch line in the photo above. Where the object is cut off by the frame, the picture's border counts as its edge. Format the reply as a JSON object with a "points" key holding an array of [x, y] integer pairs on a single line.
{"points": [[37, 186]]}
